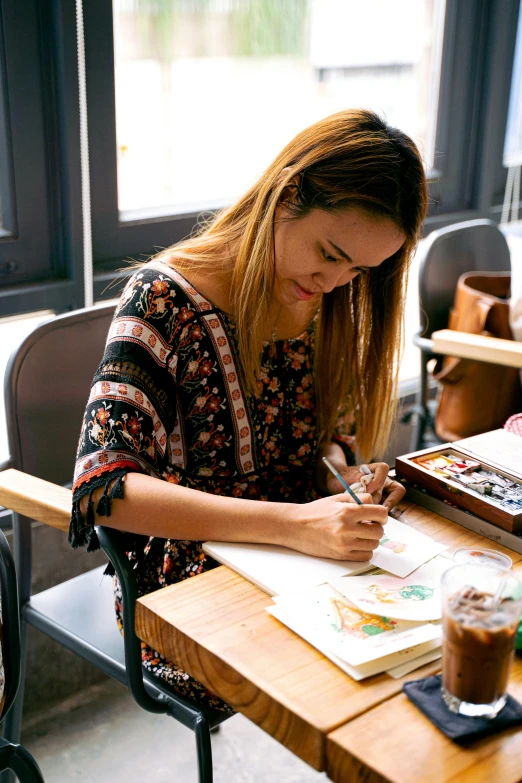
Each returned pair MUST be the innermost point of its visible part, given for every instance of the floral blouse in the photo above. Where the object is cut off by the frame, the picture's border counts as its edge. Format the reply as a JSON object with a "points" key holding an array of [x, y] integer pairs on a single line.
{"points": [[167, 401]]}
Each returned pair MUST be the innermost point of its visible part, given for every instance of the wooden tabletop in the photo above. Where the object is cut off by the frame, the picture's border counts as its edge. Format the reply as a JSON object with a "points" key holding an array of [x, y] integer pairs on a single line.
{"points": [[215, 626]]}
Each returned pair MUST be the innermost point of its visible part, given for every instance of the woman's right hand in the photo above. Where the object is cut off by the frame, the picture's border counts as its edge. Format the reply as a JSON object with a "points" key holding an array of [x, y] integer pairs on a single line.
{"points": [[337, 528]]}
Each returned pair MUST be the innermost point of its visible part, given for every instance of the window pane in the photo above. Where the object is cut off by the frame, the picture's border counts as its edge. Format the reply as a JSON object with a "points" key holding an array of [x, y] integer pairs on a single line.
{"points": [[209, 91]]}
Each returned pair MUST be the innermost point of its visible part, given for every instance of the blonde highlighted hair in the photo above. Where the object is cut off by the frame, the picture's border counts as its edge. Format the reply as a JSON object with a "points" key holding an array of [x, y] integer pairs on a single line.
{"points": [[350, 159]]}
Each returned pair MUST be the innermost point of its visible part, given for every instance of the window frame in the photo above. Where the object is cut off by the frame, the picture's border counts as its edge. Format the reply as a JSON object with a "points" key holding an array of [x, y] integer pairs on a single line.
{"points": [[477, 64], [41, 256]]}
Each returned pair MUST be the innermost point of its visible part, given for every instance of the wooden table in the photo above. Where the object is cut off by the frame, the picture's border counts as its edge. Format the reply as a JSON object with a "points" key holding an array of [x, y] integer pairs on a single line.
{"points": [[215, 627]]}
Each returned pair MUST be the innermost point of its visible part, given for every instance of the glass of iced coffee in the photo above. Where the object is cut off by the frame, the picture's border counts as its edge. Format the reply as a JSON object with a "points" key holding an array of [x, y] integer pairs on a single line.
{"points": [[481, 608]]}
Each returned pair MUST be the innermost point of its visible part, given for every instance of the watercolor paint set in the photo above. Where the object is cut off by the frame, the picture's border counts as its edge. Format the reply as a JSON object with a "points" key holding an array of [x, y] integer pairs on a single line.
{"points": [[482, 474]]}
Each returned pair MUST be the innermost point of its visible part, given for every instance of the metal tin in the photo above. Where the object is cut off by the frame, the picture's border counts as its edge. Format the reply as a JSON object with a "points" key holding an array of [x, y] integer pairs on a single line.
{"points": [[482, 556]]}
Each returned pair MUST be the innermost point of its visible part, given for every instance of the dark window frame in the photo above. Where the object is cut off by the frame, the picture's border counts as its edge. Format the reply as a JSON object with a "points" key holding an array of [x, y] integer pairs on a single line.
{"points": [[41, 258]]}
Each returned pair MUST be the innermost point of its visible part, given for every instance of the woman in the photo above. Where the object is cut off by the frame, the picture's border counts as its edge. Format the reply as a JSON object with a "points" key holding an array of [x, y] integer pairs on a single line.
{"points": [[240, 357]]}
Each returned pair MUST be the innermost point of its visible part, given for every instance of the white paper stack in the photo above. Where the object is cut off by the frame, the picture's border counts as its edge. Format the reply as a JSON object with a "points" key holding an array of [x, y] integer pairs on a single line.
{"points": [[359, 642], [365, 617], [277, 570]]}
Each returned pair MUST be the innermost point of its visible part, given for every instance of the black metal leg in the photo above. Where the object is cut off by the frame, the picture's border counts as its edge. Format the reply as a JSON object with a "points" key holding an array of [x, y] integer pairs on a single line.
{"points": [[12, 727], [204, 749], [6, 755], [12, 724], [422, 413], [25, 767]]}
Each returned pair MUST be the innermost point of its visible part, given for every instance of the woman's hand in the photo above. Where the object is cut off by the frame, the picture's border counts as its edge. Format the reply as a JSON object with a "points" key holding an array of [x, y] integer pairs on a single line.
{"points": [[337, 528], [382, 489]]}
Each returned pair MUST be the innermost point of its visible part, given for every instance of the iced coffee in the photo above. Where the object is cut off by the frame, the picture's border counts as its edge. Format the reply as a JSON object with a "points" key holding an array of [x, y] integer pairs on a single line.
{"points": [[481, 611]]}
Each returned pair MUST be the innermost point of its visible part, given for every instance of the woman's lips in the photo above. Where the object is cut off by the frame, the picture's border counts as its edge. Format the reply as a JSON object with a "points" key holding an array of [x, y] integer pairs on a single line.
{"points": [[302, 293]]}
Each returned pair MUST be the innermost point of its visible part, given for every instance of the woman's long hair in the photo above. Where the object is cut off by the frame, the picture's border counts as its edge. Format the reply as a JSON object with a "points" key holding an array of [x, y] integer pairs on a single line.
{"points": [[350, 159]]}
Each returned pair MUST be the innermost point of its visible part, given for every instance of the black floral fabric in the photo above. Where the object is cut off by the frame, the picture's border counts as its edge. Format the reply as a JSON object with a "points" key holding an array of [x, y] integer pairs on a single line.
{"points": [[167, 401]]}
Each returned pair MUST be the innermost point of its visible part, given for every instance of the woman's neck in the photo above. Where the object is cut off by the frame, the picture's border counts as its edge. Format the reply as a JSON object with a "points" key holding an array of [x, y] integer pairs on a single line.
{"points": [[283, 322]]}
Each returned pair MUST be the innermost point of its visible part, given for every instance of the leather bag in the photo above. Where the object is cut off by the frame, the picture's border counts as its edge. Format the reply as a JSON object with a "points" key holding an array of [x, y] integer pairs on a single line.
{"points": [[475, 396]]}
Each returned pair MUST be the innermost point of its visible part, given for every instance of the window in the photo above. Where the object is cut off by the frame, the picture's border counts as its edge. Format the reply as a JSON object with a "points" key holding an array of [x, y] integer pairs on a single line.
{"points": [[37, 258], [208, 93], [180, 91]]}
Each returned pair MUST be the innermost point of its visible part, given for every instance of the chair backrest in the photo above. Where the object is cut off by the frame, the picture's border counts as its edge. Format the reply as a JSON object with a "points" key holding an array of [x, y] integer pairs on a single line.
{"points": [[46, 386], [476, 245], [10, 629]]}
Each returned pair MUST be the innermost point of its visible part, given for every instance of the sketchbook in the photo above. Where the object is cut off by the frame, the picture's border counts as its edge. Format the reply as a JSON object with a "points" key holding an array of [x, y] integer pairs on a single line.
{"points": [[355, 636], [396, 664], [416, 598], [276, 569]]}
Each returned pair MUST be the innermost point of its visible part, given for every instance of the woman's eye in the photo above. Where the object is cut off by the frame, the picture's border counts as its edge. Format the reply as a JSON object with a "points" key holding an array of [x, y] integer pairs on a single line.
{"points": [[328, 257], [360, 269]]}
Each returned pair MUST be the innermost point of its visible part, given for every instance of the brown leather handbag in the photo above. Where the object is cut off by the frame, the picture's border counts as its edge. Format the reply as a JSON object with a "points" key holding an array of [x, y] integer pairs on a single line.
{"points": [[475, 396]]}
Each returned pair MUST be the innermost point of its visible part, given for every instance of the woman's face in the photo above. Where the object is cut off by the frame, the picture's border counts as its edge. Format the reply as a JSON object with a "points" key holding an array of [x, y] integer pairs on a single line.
{"points": [[324, 250]]}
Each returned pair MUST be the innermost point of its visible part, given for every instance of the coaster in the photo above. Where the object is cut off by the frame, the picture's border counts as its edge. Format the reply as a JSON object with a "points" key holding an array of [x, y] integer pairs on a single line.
{"points": [[426, 695]]}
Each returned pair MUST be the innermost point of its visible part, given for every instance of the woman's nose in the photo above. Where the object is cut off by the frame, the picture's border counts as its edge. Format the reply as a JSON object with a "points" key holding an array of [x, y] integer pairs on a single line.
{"points": [[327, 281]]}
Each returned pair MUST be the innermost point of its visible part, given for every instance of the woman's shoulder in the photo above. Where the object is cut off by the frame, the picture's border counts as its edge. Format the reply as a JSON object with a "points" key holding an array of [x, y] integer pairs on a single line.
{"points": [[156, 303], [157, 282]]}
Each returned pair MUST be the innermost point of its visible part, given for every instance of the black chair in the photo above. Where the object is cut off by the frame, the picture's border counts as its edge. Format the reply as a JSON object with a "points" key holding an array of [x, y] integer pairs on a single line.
{"points": [[476, 245], [46, 386], [13, 757]]}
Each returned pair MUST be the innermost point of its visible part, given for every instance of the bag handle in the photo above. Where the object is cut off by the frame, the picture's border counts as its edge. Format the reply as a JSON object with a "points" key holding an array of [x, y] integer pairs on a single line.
{"points": [[452, 363]]}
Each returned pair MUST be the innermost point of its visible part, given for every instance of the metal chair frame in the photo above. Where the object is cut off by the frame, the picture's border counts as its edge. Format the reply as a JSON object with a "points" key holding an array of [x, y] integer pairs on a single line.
{"points": [[13, 756], [149, 692], [474, 245]]}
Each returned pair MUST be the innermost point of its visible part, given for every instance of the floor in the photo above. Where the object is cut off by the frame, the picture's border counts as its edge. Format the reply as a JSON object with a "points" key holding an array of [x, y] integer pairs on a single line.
{"points": [[101, 736]]}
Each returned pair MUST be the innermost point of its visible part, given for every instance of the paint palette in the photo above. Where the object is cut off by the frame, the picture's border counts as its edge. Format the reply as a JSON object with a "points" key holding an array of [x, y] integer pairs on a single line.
{"points": [[468, 481]]}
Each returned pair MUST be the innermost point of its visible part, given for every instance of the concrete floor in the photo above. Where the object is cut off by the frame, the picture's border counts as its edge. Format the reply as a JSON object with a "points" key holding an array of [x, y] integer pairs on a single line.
{"points": [[101, 736]]}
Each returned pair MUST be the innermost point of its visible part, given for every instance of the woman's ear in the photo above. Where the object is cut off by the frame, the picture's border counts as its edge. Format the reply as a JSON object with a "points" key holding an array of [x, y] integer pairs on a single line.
{"points": [[291, 189]]}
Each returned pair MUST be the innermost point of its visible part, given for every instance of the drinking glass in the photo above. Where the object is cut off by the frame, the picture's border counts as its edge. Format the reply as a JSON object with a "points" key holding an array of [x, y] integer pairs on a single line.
{"points": [[481, 608]]}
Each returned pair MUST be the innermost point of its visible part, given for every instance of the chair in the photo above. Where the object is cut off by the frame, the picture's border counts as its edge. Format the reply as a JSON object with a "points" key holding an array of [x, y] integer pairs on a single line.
{"points": [[12, 756], [476, 245], [47, 383]]}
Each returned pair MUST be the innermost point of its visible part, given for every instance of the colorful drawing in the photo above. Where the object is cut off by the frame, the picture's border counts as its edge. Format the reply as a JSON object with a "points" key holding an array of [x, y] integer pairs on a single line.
{"points": [[396, 546], [400, 594], [357, 623]]}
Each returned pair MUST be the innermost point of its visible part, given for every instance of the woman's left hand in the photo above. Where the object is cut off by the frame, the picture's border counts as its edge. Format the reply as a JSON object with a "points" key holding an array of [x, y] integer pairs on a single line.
{"points": [[383, 489]]}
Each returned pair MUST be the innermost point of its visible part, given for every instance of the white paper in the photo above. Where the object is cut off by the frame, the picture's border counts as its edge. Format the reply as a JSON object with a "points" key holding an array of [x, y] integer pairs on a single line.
{"points": [[276, 569], [416, 597], [422, 660], [404, 549], [388, 663], [354, 636]]}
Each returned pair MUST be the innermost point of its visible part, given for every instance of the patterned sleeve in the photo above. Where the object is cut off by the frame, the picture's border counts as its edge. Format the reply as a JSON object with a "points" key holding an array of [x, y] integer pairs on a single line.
{"points": [[132, 404]]}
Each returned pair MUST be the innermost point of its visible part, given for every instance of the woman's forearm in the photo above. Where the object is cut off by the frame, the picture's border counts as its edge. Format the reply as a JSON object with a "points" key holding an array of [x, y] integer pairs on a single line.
{"points": [[158, 508]]}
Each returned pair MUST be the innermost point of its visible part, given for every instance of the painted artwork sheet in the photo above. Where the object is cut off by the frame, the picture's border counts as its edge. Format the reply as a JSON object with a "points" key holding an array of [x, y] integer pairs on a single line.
{"points": [[389, 663], [353, 635], [416, 597], [403, 549]]}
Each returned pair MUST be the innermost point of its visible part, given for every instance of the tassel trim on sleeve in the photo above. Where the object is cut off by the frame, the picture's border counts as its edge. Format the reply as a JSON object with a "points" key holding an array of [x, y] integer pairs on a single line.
{"points": [[81, 529]]}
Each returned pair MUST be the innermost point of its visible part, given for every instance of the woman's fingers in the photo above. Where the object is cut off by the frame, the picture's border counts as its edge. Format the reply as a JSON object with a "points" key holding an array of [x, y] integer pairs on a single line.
{"points": [[372, 531], [366, 543], [365, 512], [361, 555], [380, 472], [394, 492]]}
